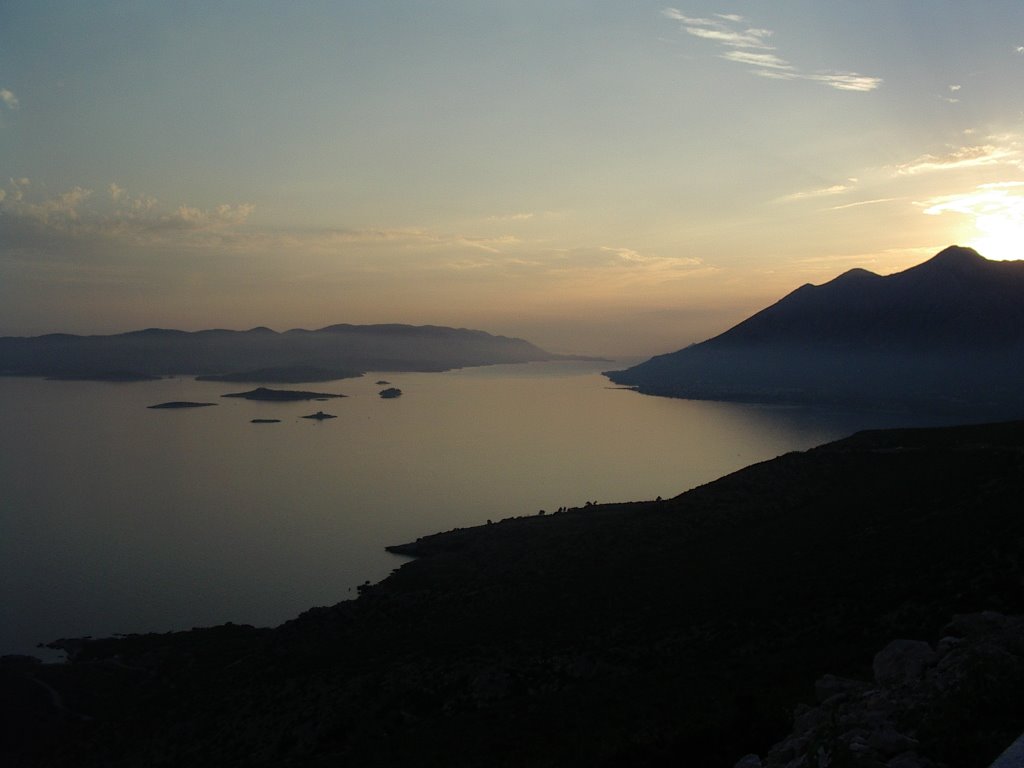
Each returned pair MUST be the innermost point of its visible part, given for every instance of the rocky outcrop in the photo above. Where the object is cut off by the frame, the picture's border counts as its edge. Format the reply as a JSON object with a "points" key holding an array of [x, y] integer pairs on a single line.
{"points": [[926, 707]]}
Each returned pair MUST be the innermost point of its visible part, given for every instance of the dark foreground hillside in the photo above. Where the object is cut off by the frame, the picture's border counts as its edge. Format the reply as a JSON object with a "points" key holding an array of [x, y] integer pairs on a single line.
{"points": [[679, 632]]}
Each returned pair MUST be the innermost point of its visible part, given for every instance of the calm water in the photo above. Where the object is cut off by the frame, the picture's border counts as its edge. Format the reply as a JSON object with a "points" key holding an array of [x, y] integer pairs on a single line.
{"points": [[115, 518]]}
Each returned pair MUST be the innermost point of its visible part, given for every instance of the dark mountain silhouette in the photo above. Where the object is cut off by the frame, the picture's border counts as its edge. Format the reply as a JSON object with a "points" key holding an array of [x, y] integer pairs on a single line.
{"points": [[260, 354], [680, 632], [946, 334]]}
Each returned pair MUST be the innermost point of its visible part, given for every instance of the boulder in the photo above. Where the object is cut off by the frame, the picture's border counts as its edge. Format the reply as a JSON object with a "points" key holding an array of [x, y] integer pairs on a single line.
{"points": [[902, 661]]}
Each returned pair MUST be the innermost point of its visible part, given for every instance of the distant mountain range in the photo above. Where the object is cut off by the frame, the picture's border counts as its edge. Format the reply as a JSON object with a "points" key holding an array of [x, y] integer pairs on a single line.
{"points": [[947, 334], [260, 354]]}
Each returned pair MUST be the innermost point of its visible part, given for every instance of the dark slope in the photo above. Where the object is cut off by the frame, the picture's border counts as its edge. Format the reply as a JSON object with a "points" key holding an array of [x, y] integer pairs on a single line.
{"points": [[679, 632], [262, 355], [948, 333]]}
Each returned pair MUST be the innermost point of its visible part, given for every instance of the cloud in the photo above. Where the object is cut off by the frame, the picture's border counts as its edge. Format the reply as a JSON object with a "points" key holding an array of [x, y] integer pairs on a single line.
{"points": [[754, 38], [835, 189], [56, 210], [747, 45], [120, 229], [78, 211], [983, 200], [524, 216], [757, 59], [723, 28], [8, 98], [846, 81], [187, 217], [863, 202], [952, 99], [618, 259], [961, 157]]}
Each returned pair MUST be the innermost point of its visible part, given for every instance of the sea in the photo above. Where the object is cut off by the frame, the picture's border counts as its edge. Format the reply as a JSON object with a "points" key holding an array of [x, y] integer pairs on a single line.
{"points": [[116, 518]]}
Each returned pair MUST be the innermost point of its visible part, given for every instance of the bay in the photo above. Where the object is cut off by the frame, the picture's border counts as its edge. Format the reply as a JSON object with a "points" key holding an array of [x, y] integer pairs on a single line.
{"points": [[115, 518]]}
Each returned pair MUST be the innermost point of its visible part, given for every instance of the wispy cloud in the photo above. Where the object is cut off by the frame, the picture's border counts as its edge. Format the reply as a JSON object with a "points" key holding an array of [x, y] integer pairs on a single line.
{"points": [[750, 45], [769, 60], [859, 203], [984, 200], [8, 99], [835, 189], [725, 28], [845, 81], [949, 99], [603, 258], [524, 216], [962, 157]]}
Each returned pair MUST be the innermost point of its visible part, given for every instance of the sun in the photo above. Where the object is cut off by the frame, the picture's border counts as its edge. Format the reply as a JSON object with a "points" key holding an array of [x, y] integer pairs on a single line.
{"points": [[1000, 235], [992, 214]]}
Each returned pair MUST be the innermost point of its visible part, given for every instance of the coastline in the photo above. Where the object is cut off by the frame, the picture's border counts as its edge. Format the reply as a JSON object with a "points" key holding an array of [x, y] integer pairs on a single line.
{"points": [[705, 617]]}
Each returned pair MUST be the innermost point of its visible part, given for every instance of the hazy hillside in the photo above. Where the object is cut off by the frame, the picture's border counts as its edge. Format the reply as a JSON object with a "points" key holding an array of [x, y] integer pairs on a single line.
{"points": [[946, 334], [260, 354], [677, 632]]}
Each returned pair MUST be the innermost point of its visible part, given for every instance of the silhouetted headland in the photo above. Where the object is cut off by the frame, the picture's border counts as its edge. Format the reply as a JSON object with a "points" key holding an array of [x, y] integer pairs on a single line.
{"points": [[281, 395], [675, 632], [261, 355], [946, 335]]}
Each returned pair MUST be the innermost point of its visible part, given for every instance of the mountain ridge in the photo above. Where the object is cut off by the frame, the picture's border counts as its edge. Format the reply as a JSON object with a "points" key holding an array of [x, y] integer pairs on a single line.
{"points": [[948, 332], [332, 352]]}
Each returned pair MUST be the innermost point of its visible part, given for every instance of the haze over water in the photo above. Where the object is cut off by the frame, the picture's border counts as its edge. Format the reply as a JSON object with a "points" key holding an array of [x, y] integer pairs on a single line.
{"points": [[115, 518]]}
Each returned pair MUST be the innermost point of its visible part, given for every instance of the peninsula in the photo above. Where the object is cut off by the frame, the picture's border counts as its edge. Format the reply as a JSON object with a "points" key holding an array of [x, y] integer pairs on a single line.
{"points": [[675, 632], [946, 335]]}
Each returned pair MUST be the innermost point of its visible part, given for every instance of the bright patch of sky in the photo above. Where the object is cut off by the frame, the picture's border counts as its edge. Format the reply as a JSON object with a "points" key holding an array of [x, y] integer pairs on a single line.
{"points": [[603, 177]]}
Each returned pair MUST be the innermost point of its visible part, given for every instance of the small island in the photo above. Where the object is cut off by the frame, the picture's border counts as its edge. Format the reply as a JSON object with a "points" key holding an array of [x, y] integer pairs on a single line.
{"points": [[280, 395], [320, 416], [264, 421], [390, 392], [180, 404]]}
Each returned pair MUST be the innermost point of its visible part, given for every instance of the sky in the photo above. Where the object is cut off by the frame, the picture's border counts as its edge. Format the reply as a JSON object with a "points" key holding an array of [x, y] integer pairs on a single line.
{"points": [[609, 177]]}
